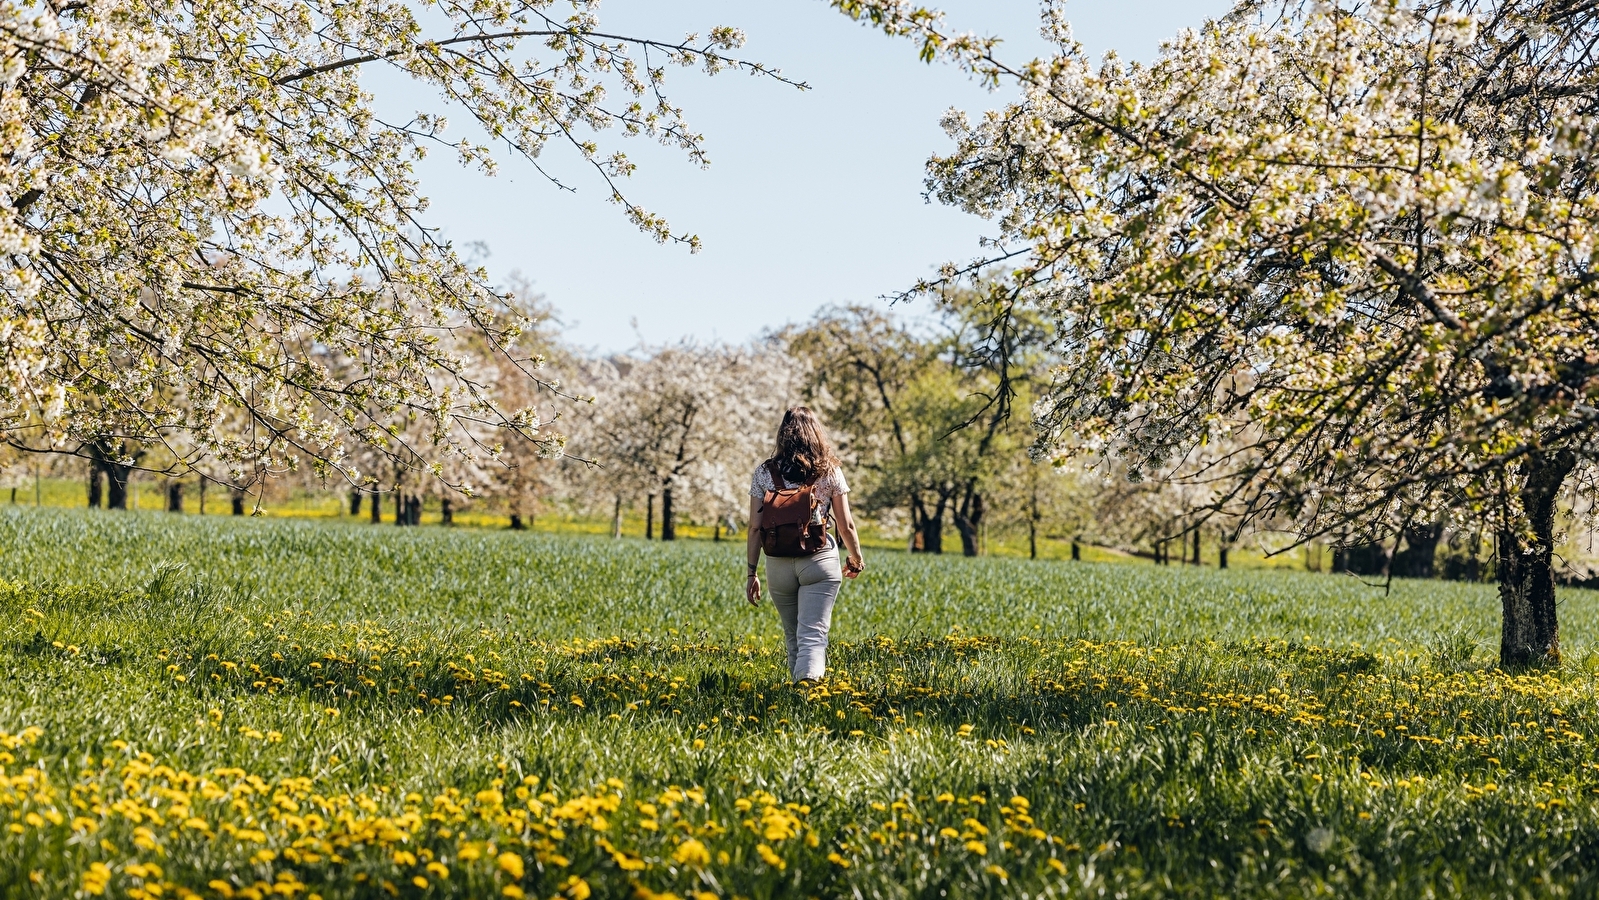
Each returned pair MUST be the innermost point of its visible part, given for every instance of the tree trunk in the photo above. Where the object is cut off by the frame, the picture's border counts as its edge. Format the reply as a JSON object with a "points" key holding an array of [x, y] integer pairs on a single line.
{"points": [[238, 502], [933, 525], [175, 497], [1077, 552], [668, 525], [108, 460], [1221, 557], [202, 496], [1361, 559], [446, 511], [355, 503], [1421, 547], [716, 534], [1530, 633], [649, 518], [413, 510], [968, 519], [968, 535], [918, 539], [94, 484], [116, 485], [616, 518], [933, 534], [1195, 561], [377, 509], [400, 517], [1032, 519], [516, 522]]}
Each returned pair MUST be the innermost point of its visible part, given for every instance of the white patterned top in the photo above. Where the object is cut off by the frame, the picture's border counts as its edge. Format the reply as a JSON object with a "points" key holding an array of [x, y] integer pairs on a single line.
{"points": [[825, 488]]}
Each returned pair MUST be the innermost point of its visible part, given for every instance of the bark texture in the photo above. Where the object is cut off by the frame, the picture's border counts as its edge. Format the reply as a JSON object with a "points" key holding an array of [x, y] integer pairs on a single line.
{"points": [[928, 533], [668, 517], [1531, 633], [1370, 559], [117, 463], [968, 519], [1421, 548]]}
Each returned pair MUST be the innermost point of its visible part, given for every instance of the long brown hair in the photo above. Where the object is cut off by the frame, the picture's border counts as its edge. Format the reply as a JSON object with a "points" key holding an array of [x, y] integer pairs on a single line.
{"points": [[803, 453]]}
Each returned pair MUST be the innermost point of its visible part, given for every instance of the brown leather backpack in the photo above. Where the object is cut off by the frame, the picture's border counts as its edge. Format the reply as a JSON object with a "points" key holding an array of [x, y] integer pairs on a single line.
{"points": [[786, 513]]}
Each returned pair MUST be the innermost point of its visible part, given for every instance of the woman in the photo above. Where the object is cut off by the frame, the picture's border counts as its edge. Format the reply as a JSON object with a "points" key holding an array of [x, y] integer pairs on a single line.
{"points": [[803, 587]]}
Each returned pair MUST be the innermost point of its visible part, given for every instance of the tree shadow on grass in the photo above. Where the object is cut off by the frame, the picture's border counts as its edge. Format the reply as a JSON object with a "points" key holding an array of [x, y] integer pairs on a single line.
{"points": [[981, 687], [217, 643]]}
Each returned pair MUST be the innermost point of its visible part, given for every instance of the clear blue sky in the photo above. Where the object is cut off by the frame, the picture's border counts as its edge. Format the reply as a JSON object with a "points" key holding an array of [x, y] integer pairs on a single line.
{"points": [[812, 197]]}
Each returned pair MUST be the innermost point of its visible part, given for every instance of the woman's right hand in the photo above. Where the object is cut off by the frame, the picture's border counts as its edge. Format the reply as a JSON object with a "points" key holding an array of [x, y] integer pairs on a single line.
{"points": [[853, 565]]}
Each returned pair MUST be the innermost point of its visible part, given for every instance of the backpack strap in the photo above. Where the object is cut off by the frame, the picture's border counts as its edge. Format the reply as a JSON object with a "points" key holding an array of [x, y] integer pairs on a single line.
{"points": [[771, 469]]}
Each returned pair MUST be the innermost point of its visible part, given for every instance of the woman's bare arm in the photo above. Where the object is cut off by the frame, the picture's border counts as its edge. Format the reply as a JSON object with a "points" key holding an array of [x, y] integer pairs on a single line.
{"points": [[846, 530], [752, 553]]}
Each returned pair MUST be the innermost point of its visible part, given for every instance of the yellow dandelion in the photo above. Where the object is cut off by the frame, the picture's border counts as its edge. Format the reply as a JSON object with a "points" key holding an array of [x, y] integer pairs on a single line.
{"points": [[511, 864], [692, 853], [770, 858]]}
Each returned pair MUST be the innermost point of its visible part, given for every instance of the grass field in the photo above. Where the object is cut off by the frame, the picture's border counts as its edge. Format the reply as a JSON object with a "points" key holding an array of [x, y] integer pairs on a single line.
{"points": [[147, 492], [245, 708]]}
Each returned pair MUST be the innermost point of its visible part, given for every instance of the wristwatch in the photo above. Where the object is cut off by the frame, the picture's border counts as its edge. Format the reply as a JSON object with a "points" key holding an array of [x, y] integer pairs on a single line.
{"points": [[752, 570]]}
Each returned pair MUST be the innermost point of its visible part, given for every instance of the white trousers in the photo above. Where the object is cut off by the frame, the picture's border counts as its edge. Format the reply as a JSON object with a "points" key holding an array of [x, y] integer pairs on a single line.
{"points": [[803, 590]]}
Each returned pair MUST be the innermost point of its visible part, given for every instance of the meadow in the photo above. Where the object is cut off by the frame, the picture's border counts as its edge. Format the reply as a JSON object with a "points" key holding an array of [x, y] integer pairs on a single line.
{"points": [[270, 707]]}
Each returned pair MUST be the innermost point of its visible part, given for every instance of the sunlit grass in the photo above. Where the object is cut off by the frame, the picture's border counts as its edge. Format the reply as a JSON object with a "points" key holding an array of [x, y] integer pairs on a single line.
{"points": [[147, 493], [294, 708]]}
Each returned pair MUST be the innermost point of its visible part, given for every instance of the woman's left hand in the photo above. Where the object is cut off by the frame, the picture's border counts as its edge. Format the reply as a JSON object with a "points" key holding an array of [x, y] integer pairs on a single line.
{"points": [[752, 590]]}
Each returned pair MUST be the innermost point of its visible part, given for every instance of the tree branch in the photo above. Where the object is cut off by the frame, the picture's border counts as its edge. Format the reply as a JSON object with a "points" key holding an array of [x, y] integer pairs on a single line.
{"points": [[755, 67], [1410, 284]]}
